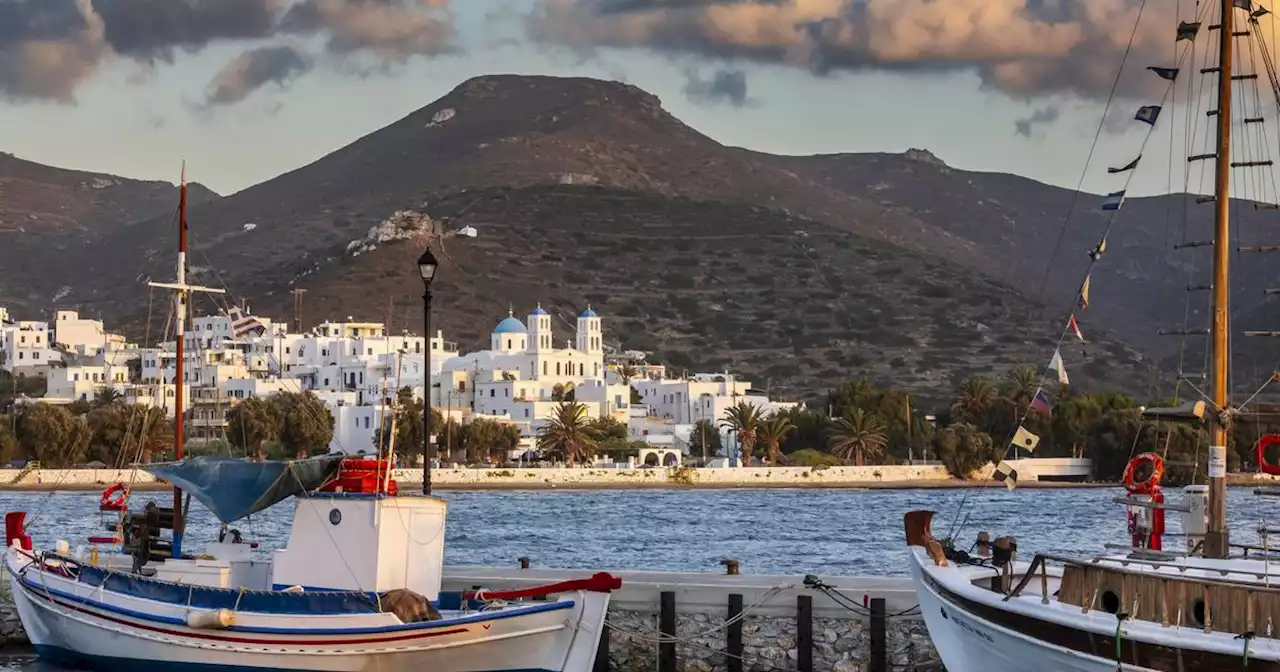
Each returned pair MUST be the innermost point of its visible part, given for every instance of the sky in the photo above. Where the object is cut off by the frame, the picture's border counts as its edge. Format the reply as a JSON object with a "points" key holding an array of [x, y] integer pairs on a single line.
{"points": [[245, 90]]}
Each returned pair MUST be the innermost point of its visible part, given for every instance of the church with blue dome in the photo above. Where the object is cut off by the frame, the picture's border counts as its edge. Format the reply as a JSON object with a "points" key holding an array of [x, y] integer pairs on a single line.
{"points": [[524, 374]]}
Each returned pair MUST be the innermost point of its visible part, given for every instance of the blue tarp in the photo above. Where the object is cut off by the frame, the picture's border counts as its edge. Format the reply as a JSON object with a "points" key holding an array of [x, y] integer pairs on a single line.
{"points": [[233, 488]]}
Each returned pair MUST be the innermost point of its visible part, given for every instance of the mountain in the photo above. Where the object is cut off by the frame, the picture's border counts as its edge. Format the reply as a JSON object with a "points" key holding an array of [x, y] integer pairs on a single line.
{"points": [[47, 212], [588, 191], [1141, 285]]}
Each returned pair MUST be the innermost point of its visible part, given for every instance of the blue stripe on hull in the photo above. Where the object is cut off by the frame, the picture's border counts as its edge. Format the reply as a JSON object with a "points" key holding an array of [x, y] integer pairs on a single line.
{"points": [[79, 661]]}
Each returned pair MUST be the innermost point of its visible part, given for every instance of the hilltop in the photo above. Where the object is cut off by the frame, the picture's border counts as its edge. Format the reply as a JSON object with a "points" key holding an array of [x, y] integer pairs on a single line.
{"points": [[793, 270]]}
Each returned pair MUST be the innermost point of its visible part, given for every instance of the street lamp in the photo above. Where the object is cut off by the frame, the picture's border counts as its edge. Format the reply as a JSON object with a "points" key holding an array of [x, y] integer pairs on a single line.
{"points": [[427, 266]]}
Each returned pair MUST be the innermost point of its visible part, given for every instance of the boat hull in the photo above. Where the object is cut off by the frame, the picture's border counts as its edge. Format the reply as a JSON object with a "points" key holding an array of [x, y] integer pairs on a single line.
{"points": [[974, 630], [66, 627]]}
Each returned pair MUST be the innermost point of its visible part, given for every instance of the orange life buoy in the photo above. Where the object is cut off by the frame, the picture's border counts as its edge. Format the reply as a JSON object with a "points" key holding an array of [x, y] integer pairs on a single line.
{"points": [[1260, 454], [1142, 474], [115, 498]]}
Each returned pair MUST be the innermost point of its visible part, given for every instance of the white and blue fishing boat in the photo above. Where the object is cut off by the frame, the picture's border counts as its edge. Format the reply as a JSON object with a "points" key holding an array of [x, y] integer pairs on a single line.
{"points": [[356, 588]]}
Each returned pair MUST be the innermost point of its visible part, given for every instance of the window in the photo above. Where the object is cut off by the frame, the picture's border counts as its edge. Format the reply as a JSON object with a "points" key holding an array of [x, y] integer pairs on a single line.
{"points": [[326, 382], [544, 368], [417, 347], [557, 368], [508, 344], [526, 412], [506, 392], [492, 393]]}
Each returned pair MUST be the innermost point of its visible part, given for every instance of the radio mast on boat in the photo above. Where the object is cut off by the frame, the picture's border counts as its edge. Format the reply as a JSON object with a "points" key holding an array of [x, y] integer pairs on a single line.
{"points": [[180, 289]]}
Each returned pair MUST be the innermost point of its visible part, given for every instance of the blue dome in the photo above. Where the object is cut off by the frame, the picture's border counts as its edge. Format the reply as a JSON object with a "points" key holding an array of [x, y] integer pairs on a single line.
{"points": [[538, 311], [509, 326], [588, 313]]}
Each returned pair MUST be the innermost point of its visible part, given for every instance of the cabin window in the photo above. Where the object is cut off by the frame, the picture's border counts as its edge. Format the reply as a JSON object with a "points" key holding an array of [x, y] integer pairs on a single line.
{"points": [[1110, 602]]}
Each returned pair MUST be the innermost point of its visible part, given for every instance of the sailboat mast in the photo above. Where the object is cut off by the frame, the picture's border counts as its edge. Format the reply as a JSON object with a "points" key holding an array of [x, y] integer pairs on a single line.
{"points": [[1216, 543], [179, 331]]}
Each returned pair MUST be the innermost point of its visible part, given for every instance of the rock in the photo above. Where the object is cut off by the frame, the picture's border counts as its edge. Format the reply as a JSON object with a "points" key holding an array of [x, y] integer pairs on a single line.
{"points": [[846, 666]]}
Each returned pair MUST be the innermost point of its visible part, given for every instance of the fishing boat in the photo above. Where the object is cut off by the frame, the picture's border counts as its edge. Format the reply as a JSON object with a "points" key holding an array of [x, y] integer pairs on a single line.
{"points": [[357, 587], [1210, 605]]}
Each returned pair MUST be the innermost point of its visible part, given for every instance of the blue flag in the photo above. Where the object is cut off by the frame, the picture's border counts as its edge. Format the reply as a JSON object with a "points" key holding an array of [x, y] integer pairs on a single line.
{"points": [[1164, 73], [1148, 113], [1114, 200]]}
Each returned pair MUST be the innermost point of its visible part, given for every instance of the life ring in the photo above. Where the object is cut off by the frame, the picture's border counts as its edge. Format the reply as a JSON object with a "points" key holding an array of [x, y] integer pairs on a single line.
{"points": [[1260, 454], [115, 498], [1142, 474]]}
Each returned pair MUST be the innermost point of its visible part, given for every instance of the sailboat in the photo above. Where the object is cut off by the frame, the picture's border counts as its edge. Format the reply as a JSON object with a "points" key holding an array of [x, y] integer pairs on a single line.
{"points": [[356, 588], [1196, 609]]}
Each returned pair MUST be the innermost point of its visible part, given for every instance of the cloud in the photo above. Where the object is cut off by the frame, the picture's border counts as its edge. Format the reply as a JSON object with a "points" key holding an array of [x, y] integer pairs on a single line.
{"points": [[1025, 127], [392, 30], [50, 47], [1023, 48], [724, 86], [253, 69]]}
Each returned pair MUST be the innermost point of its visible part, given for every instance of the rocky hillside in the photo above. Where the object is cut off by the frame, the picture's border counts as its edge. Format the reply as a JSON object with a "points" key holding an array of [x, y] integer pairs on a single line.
{"points": [[585, 190], [49, 213]]}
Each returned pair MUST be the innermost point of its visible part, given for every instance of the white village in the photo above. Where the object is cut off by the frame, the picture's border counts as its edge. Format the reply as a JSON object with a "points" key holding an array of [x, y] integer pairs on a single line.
{"points": [[356, 368]]}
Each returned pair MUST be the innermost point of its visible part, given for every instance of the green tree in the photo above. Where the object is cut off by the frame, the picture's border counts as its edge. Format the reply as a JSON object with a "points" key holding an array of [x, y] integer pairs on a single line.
{"points": [[306, 425], [568, 434], [485, 439], [858, 436], [704, 439], [964, 449], [773, 429], [627, 372], [810, 430], [407, 411], [121, 434], [251, 423], [52, 435], [809, 457], [744, 419], [606, 428], [8, 438], [105, 396], [974, 403]]}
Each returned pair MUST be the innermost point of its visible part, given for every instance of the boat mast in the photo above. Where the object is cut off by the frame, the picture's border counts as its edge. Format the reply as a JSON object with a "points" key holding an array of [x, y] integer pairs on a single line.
{"points": [[180, 289], [1216, 542]]}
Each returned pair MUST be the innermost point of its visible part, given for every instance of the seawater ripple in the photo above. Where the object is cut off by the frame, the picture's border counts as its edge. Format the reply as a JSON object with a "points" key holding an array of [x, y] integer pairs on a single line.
{"points": [[770, 531]]}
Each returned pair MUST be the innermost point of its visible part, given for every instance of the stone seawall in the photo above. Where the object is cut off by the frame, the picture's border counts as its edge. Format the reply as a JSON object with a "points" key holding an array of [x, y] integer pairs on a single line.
{"points": [[555, 477], [768, 643]]}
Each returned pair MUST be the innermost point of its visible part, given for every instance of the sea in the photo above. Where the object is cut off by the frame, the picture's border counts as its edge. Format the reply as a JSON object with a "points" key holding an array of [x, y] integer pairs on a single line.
{"points": [[826, 532]]}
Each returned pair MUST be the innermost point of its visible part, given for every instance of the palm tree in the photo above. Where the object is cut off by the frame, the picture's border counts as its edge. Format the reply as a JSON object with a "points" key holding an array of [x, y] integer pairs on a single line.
{"points": [[105, 396], [772, 431], [744, 418], [974, 401], [568, 433], [1020, 386], [857, 436], [627, 372]]}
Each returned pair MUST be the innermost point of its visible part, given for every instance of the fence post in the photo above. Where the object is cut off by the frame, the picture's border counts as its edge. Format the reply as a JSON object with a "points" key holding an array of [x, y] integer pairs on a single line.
{"points": [[879, 661], [733, 647], [667, 625], [804, 632], [602, 653]]}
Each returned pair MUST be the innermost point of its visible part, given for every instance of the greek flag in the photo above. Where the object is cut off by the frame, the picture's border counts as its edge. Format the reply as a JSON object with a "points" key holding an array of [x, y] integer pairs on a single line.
{"points": [[243, 324], [1114, 200], [1148, 113]]}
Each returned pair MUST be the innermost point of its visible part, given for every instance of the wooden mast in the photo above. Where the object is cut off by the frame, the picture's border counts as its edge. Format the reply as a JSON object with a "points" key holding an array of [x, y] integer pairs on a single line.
{"points": [[179, 330], [1216, 542], [180, 288]]}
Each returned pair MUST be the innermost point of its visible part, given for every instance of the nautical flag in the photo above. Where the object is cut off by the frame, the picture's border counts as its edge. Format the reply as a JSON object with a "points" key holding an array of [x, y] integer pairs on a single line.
{"points": [[1128, 166], [1164, 73], [1025, 440], [1114, 201], [1148, 114], [1005, 473], [1260, 11], [243, 325], [1074, 327], [1084, 293], [1096, 253], [1040, 403], [1187, 30], [1056, 364], [1246, 5]]}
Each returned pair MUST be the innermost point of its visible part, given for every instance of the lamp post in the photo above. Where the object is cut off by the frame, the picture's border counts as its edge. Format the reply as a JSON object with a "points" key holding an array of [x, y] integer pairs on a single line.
{"points": [[427, 266]]}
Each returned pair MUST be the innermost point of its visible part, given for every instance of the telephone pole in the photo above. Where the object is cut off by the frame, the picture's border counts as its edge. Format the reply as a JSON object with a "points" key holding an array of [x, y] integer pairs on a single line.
{"points": [[297, 309]]}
